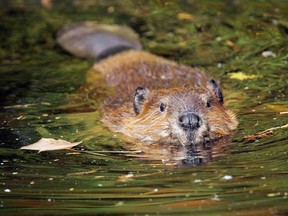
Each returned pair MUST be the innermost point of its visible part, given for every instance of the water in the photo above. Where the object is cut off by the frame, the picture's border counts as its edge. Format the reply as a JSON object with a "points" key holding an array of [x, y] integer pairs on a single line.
{"points": [[42, 95]]}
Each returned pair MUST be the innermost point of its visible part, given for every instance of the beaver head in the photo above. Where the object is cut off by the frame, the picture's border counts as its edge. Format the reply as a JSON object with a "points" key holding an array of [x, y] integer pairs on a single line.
{"points": [[183, 115]]}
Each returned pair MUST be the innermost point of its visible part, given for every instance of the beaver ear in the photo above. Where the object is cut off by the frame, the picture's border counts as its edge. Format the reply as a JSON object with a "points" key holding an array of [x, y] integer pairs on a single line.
{"points": [[217, 91], [139, 99]]}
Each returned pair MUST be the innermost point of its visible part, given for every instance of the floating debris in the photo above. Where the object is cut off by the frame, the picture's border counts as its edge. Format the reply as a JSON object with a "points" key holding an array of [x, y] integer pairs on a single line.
{"points": [[49, 144], [185, 16], [7, 190], [215, 197], [242, 76], [227, 177], [267, 54]]}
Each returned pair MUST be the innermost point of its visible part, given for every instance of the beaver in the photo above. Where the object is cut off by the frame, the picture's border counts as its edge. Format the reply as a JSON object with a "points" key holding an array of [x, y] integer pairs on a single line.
{"points": [[156, 101]]}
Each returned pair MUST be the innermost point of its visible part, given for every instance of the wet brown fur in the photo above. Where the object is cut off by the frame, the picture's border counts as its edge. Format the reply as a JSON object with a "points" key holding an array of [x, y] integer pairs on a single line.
{"points": [[179, 87], [128, 70]]}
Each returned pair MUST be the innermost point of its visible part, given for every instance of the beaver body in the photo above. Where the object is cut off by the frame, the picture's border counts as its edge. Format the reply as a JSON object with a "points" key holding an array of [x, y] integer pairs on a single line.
{"points": [[128, 70], [157, 101]]}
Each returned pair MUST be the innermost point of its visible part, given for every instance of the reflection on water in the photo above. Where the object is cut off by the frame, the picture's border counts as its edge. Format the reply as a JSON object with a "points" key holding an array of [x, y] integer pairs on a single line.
{"points": [[182, 156], [42, 96]]}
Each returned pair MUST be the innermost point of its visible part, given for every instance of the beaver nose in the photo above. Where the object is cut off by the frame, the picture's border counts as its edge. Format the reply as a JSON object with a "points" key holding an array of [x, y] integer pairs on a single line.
{"points": [[189, 120]]}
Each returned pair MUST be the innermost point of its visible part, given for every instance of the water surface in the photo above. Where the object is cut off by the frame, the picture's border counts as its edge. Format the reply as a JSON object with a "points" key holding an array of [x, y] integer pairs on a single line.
{"points": [[42, 95]]}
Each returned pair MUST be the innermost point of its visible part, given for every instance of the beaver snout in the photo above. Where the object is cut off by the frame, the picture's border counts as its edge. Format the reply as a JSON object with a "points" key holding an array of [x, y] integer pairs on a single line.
{"points": [[189, 121]]}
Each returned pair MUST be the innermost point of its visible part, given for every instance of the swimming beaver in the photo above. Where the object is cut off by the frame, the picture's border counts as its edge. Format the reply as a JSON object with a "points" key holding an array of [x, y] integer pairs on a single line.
{"points": [[157, 101]]}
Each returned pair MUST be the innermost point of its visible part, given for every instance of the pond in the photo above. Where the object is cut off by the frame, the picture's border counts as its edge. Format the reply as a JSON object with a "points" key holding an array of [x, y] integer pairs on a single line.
{"points": [[242, 43]]}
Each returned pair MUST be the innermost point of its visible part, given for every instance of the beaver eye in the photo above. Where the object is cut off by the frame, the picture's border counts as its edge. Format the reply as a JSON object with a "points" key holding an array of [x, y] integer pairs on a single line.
{"points": [[208, 103], [162, 107]]}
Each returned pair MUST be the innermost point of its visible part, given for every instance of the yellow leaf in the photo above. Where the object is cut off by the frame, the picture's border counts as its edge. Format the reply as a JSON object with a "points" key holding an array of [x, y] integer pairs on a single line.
{"points": [[49, 144], [278, 107], [242, 76], [184, 16]]}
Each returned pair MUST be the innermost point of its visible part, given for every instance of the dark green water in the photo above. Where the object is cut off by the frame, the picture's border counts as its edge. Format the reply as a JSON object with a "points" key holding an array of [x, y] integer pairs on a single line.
{"points": [[42, 96]]}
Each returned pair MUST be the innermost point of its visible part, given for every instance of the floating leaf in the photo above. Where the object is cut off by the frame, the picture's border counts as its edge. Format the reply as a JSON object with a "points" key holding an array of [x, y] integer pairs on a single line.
{"points": [[242, 76], [229, 43], [185, 16], [49, 144], [278, 107]]}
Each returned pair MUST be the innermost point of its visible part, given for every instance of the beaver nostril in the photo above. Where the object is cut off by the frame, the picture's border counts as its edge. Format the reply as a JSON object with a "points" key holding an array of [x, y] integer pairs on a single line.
{"points": [[190, 120]]}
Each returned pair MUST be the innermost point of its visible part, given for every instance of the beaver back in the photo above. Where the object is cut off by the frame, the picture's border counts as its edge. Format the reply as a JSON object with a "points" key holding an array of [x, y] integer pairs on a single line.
{"points": [[130, 69]]}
